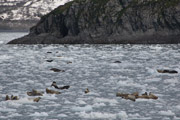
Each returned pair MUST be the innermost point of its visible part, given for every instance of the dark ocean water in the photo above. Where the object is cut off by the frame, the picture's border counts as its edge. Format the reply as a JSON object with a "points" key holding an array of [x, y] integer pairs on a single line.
{"points": [[24, 67]]}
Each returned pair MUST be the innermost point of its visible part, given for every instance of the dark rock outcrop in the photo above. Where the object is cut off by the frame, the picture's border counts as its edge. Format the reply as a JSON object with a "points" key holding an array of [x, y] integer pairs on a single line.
{"points": [[107, 22]]}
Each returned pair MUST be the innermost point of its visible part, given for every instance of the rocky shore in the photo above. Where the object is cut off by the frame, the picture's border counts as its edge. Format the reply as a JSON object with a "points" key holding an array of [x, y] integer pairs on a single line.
{"points": [[108, 22]]}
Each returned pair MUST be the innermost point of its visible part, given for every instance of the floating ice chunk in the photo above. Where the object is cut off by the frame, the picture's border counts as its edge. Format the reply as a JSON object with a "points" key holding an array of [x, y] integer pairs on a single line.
{"points": [[81, 102], [39, 114], [1, 42], [134, 115], [3, 117], [62, 115], [49, 96], [122, 115], [15, 115], [98, 115], [14, 104], [99, 105], [68, 58], [4, 109], [166, 113], [144, 100], [171, 81], [23, 100], [153, 80], [178, 107], [157, 47], [104, 100], [31, 106], [151, 71], [5, 57], [28, 3], [30, 82], [68, 102], [176, 118], [130, 83], [82, 109], [1, 87]]}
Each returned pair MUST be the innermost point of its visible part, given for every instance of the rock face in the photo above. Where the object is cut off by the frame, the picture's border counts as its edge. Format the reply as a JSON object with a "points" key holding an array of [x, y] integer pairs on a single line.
{"points": [[108, 22]]}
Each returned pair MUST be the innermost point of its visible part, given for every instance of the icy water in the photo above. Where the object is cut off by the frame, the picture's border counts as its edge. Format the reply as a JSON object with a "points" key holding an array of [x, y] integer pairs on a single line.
{"points": [[24, 67]]}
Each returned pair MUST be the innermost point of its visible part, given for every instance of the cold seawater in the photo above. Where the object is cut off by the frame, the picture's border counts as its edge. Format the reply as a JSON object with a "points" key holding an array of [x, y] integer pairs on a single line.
{"points": [[24, 67]]}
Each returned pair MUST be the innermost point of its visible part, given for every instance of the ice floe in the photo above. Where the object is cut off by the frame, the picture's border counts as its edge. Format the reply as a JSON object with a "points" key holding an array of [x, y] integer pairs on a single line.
{"points": [[81, 109], [39, 114], [166, 113], [99, 115]]}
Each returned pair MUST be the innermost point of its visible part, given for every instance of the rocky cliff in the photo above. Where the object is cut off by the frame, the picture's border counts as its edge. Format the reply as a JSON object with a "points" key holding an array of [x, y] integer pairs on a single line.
{"points": [[108, 22]]}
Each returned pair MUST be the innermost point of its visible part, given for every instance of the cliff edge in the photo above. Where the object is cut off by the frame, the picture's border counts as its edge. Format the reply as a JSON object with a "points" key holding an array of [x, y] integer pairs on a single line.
{"points": [[108, 22]]}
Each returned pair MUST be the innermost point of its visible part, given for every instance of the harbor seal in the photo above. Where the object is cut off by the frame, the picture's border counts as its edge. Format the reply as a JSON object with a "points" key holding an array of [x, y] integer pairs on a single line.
{"points": [[35, 93], [54, 84], [48, 91], [152, 96], [86, 91], [167, 71]]}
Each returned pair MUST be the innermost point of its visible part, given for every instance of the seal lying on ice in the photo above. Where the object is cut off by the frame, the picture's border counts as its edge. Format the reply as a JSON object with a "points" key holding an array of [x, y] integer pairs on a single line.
{"points": [[48, 91], [36, 99], [135, 96], [167, 71], [16, 98], [127, 96], [35, 93], [11, 98], [86, 91], [55, 86], [152, 96]]}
